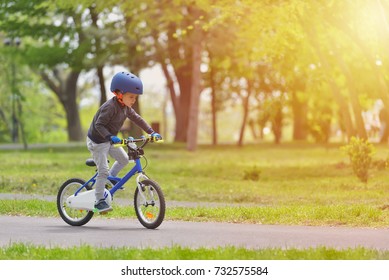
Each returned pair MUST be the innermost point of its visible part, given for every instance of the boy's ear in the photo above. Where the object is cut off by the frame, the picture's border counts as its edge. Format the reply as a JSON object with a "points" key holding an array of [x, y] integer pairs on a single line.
{"points": [[118, 94]]}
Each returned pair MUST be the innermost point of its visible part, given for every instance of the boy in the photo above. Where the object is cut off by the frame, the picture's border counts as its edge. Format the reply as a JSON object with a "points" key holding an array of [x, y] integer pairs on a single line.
{"points": [[104, 129]]}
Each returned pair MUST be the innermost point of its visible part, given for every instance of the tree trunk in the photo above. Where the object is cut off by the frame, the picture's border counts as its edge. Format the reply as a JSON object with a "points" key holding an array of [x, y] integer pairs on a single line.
{"points": [[69, 100], [66, 91], [251, 124], [103, 92], [213, 107], [300, 122], [100, 66], [73, 122], [195, 88], [185, 83], [245, 113], [276, 121], [181, 58]]}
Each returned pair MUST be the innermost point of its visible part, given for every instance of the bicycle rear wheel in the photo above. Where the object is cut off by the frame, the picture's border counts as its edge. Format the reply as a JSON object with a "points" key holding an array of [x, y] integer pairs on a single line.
{"points": [[74, 217], [149, 204]]}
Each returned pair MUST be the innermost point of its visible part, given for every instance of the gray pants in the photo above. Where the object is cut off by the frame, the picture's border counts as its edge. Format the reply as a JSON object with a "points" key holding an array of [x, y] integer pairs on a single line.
{"points": [[100, 154]]}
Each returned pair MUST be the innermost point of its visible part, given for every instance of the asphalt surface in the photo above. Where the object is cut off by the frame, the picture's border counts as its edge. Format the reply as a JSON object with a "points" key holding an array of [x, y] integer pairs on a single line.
{"points": [[105, 232]]}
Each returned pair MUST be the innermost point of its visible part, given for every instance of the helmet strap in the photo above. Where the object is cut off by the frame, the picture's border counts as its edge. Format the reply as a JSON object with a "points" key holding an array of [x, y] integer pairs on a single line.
{"points": [[119, 97]]}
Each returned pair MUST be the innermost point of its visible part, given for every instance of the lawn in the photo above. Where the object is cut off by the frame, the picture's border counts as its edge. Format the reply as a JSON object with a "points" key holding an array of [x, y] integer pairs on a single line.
{"points": [[292, 184], [20, 251], [274, 184], [261, 174]]}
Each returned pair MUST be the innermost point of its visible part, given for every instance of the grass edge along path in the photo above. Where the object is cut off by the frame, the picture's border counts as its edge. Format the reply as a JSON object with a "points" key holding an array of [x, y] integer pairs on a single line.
{"points": [[313, 215], [19, 251]]}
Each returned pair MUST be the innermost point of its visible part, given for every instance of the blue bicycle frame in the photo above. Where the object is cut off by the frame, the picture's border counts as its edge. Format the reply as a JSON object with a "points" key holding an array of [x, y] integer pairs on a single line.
{"points": [[119, 181]]}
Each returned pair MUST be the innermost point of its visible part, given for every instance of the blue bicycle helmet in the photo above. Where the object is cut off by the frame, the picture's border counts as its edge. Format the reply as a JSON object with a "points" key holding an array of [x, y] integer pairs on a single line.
{"points": [[126, 82]]}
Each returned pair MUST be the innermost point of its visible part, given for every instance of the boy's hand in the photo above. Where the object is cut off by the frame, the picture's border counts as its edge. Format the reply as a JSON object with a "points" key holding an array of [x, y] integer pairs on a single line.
{"points": [[115, 140], [156, 136]]}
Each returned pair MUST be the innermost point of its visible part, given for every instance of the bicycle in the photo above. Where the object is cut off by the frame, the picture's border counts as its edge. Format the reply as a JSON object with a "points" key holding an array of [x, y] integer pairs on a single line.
{"points": [[76, 198]]}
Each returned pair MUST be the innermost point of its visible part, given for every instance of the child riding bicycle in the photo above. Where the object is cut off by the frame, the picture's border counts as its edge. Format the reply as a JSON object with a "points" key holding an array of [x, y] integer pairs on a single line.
{"points": [[106, 125]]}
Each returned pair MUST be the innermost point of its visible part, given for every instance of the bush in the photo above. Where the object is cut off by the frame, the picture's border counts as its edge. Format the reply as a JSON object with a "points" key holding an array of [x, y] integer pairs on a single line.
{"points": [[360, 152], [252, 174]]}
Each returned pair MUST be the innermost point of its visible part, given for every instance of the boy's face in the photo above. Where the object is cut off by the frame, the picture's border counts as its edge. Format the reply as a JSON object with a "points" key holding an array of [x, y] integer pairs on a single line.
{"points": [[129, 99]]}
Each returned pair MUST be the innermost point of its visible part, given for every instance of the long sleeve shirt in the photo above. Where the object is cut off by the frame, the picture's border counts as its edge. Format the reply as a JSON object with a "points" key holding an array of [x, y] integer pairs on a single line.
{"points": [[110, 118]]}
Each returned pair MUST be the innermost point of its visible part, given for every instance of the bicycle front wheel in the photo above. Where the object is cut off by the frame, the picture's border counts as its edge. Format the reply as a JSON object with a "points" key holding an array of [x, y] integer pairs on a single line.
{"points": [[74, 217], [149, 204]]}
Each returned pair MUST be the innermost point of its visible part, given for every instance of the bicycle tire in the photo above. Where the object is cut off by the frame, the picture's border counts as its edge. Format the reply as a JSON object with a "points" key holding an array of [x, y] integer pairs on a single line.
{"points": [[151, 212], [73, 217]]}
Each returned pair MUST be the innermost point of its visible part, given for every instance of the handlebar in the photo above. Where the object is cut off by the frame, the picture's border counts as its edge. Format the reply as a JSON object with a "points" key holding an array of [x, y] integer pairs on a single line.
{"points": [[145, 140]]}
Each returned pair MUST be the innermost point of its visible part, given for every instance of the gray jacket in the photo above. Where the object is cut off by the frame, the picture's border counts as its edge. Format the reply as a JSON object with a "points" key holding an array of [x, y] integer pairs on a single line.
{"points": [[110, 118]]}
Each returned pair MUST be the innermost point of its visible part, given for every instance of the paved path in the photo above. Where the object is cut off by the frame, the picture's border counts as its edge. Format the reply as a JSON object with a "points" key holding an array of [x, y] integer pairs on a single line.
{"points": [[129, 232], [106, 232]]}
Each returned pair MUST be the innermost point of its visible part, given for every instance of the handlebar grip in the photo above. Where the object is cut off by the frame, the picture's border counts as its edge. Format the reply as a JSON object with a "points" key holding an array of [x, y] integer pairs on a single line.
{"points": [[121, 144], [118, 145]]}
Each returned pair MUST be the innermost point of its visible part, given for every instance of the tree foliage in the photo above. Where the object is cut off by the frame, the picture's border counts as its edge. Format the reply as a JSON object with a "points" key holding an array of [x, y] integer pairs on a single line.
{"points": [[315, 65]]}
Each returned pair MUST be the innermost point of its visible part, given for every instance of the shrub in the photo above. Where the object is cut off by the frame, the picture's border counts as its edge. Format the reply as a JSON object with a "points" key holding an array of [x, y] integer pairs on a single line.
{"points": [[360, 152], [252, 174]]}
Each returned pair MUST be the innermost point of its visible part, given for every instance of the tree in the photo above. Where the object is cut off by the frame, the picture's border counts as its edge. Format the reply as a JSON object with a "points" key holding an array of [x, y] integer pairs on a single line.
{"points": [[49, 46], [13, 125], [197, 42], [62, 40]]}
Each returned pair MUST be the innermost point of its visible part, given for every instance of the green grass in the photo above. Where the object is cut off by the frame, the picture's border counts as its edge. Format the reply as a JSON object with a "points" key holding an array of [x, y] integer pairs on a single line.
{"points": [[293, 184], [285, 184], [20, 251], [287, 174], [313, 215]]}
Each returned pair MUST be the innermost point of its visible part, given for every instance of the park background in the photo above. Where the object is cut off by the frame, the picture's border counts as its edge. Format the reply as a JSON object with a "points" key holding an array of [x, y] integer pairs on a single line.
{"points": [[269, 101], [214, 71]]}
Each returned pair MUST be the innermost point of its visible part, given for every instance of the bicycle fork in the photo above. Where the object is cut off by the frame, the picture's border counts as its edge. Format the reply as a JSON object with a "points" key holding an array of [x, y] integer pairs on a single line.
{"points": [[141, 189]]}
